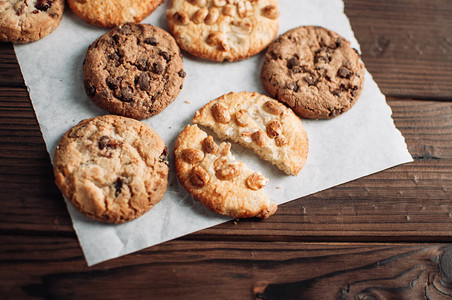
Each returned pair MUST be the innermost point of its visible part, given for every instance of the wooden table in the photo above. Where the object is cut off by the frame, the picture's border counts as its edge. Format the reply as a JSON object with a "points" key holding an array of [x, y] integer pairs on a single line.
{"points": [[385, 236]]}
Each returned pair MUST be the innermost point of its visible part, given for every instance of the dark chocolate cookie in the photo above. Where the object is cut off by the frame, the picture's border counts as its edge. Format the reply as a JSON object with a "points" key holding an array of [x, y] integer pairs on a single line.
{"points": [[313, 70], [134, 70]]}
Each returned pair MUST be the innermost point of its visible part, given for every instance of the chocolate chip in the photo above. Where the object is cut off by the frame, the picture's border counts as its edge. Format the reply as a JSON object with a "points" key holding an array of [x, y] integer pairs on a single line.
{"points": [[323, 55], [118, 186], [336, 93], [165, 56], [338, 42], [293, 62], [310, 80], [144, 81], [353, 93], [35, 12], [343, 72], [107, 142], [43, 5], [116, 38], [112, 82], [292, 86], [334, 112], [163, 158], [151, 41], [157, 68], [182, 74], [126, 93], [141, 64], [90, 89]]}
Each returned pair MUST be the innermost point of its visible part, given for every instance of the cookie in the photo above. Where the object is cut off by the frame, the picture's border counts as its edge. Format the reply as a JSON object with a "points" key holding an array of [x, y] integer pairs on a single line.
{"points": [[27, 21], [223, 29], [260, 123], [211, 175], [314, 71], [111, 13], [134, 70], [111, 168]]}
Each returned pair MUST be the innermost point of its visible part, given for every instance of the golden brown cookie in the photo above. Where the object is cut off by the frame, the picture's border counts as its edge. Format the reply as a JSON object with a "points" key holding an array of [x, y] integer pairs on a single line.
{"points": [[223, 29], [111, 13], [211, 175], [314, 71], [27, 21], [259, 123], [111, 168], [134, 70]]}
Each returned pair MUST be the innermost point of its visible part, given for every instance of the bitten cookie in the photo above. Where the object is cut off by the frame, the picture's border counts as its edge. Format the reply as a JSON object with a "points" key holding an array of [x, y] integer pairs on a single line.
{"points": [[211, 175], [27, 21], [314, 71], [111, 168], [259, 123], [223, 29], [134, 70], [111, 13]]}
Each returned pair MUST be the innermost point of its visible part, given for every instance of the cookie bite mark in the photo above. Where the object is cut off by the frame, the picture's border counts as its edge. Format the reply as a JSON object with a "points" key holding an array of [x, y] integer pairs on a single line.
{"points": [[216, 179]]}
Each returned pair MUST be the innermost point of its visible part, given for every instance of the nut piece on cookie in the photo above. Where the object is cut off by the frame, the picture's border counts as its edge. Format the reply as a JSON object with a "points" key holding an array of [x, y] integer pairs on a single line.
{"points": [[134, 70], [314, 71], [260, 123], [111, 13], [218, 181], [111, 168], [222, 30], [28, 21]]}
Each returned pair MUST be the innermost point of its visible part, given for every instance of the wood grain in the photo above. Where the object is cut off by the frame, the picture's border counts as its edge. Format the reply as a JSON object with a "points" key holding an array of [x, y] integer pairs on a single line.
{"points": [[406, 45]]}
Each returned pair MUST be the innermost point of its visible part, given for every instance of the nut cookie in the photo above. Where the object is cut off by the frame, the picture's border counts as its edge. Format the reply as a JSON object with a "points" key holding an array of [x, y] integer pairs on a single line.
{"points": [[23, 21], [314, 71], [111, 13], [223, 29], [111, 168], [134, 70], [260, 123], [211, 175]]}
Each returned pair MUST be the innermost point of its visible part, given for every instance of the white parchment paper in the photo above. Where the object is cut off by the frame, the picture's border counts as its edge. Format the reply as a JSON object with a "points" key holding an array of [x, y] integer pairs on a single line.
{"points": [[357, 143]]}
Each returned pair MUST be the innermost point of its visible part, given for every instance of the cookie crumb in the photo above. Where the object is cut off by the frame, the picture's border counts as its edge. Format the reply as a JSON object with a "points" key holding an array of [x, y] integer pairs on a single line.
{"points": [[188, 102], [278, 187]]}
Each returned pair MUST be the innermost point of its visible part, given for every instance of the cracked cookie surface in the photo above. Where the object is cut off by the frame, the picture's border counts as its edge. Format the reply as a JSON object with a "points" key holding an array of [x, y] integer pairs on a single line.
{"points": [[111, 168], [111, 13], [260, 123], [313, 70], [134, 70], [210, 173], [26, 21], [223, 29]]}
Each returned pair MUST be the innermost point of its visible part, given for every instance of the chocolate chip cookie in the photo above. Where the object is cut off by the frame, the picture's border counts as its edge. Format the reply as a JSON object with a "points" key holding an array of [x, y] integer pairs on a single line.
{"points": [[210, 173], [134, 70], [223, 29], [111, 13], [111, 168], [313, 70], [24, 21]]}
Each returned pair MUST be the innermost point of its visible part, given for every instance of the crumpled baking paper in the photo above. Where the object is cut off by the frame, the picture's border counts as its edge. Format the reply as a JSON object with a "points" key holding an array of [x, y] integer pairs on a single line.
{"points": [[360, 142]]}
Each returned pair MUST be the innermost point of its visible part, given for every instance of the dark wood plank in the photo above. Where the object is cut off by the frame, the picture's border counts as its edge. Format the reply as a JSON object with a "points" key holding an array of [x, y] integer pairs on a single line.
{"points": [[10, 74], [226, 270], [406, 45]]}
